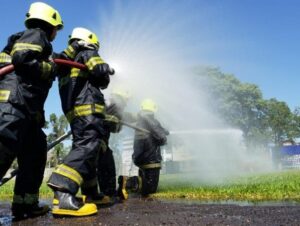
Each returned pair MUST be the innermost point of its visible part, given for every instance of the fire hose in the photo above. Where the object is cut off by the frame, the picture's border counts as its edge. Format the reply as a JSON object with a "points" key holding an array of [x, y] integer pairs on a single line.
{"points": [[10, 68], [135, 127]]}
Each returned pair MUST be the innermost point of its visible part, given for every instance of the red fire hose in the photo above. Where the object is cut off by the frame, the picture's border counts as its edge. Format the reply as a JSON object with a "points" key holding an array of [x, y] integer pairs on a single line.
{"points": [[10, 68], [7, 69], [70, 63]]}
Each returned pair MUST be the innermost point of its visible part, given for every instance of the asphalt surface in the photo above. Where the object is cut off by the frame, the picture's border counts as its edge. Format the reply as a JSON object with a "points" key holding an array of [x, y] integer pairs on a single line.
{"points": [[136, 211]]}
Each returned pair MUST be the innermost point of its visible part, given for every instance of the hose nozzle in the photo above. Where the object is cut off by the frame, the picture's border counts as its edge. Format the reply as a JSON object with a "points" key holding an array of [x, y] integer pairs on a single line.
{"points": [[111, 71]]}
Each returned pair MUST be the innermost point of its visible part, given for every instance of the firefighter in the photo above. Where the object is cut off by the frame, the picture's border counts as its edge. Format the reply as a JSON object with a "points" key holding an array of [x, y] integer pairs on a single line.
{"points": [[106, 170], [22, 97], [83, 104], [147, 154]]}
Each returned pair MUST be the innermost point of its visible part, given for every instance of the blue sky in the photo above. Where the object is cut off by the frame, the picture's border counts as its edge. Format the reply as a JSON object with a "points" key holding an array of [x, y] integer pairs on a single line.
{"points": [[256, 40]]}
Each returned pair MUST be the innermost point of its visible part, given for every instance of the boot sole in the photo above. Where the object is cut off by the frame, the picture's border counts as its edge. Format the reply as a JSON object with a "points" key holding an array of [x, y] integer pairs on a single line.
{"points": [[26, 215], [86, 210], [64, 212]]}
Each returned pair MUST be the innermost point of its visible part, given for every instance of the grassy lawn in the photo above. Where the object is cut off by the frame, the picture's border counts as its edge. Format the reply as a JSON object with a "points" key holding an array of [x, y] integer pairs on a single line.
{"points": [[6, 191], [281, 186]]}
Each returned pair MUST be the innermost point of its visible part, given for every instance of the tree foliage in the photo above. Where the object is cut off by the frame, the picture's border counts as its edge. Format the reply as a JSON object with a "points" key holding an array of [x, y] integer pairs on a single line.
{"points": [[242, 106], [283, 123], [59, 126]]}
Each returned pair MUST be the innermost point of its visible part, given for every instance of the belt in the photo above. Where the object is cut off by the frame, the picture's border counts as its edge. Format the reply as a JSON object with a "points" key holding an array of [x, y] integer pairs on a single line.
{"points": [[151, 166]]}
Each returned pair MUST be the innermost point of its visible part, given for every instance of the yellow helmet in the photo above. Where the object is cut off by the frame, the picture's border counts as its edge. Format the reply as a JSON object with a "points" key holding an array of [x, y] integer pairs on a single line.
{"points": [[122, 93], [148, 105], [44, 12], [85, 35]]}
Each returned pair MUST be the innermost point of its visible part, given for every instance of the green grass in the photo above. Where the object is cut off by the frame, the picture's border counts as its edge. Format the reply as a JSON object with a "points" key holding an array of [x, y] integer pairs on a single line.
{"points": [[281, 186], [6, 191]]}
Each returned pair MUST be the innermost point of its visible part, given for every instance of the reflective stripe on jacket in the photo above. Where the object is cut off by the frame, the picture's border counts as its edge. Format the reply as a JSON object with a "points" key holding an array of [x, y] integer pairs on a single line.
{"points": [[29, 84]]}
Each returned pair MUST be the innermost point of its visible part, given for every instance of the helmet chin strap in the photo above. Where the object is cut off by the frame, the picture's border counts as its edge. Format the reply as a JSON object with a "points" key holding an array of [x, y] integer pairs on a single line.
{"points": [[53, 34]]}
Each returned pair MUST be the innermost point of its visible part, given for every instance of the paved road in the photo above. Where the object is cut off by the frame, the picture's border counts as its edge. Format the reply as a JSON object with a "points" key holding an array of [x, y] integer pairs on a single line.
{"points": [[153, 212]]}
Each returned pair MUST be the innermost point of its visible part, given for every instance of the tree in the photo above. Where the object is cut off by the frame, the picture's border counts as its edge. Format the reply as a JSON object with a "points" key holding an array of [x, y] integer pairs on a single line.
{"points": [[283, 124], [59, 127], [296, 124], [240, 104]]}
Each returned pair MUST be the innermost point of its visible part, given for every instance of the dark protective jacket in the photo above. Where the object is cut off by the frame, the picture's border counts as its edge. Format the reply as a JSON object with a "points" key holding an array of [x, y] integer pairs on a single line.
{"points": [[28, 86], [146, 147], [5, 57], [115, 114], [80, 89]]}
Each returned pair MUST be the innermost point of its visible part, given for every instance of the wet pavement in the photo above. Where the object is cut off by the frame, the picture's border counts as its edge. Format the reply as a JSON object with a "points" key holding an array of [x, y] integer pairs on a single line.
{"points": [[155, 212]]}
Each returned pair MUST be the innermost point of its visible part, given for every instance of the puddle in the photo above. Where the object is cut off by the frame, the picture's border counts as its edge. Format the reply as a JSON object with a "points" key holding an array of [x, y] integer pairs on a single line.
{"points": [[5, 220]]}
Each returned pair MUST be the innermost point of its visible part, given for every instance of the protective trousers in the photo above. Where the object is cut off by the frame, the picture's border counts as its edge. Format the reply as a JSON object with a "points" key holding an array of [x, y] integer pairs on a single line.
{"points": [[80, 164], [106, 172], [150, 178], [22, 138]]}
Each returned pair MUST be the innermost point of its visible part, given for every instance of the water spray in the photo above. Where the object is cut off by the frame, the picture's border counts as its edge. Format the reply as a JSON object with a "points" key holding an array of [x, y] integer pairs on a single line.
{"points": [[205, 131]]}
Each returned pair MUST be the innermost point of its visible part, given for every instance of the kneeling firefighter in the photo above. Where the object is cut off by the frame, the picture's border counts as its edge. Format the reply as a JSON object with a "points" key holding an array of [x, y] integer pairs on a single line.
{"points": [[22, 97], [83, 104], [146, 154], [106, 170]]}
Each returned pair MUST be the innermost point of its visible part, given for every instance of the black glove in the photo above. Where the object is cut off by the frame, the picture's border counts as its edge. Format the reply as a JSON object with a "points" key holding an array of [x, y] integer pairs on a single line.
{"points": [[113, 122], [104, 82], [49, 70], [54, 68], [159, 140]]}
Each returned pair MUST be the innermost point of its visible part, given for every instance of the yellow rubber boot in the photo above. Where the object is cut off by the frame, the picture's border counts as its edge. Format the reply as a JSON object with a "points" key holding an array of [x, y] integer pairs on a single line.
{"points": [[69, 205], [122, 193], [86, 210], [100, 201]]}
